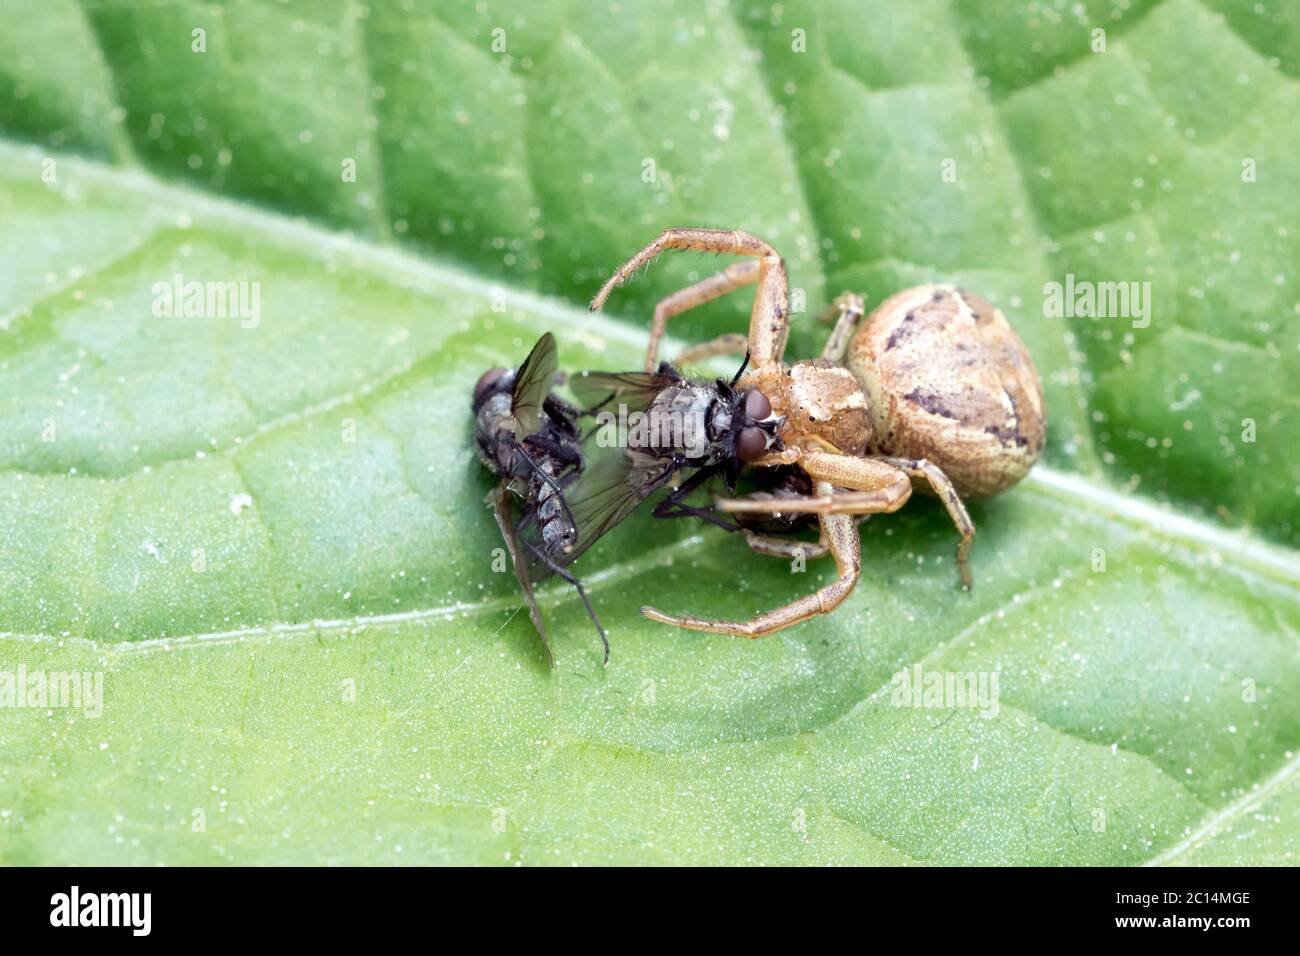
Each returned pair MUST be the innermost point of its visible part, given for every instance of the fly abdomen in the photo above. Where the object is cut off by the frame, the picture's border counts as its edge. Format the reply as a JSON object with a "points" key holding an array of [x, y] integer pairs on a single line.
{"points": [[558, 532]]}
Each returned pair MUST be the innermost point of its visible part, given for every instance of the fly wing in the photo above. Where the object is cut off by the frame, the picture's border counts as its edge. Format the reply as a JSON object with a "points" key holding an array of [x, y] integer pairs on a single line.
{"points": [[615, 481], [610, 490], [501, 510], [532, 384], [605, 391]]}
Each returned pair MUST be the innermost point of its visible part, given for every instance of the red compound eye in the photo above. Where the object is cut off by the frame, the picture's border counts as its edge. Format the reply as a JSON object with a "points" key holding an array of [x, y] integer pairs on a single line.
{"points": [[485, 383], [750, 443], [757, 407]]}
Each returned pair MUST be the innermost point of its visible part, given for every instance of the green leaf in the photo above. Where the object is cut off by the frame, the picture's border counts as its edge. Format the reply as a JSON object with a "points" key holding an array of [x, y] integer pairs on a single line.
{"points": [[270, 540]]}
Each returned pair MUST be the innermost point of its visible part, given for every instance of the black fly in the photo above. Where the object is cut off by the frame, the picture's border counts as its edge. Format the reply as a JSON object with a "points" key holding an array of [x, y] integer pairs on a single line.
{"points": [[653, 426], [529, 438]]}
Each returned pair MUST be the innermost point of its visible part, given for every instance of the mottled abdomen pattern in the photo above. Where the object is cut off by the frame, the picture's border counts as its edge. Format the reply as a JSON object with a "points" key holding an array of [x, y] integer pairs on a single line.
{"points": [[558, 533], [948, 379]]}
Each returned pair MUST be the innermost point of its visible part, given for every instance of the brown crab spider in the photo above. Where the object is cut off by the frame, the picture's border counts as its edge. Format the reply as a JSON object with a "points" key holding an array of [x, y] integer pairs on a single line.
{"points": [[935, 390]]}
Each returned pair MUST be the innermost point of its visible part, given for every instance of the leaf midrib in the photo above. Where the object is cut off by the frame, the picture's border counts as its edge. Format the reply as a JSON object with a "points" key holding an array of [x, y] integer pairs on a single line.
{"points": [[1252, 557], [1213, 823]]}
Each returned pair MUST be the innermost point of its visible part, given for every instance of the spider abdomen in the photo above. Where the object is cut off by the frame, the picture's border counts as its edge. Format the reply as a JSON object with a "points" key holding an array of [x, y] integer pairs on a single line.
{"points": [[948, 379]]}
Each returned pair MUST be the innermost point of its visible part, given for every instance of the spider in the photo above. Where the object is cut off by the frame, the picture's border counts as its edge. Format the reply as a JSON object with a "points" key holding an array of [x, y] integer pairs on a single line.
{"points": [[934, 390]]}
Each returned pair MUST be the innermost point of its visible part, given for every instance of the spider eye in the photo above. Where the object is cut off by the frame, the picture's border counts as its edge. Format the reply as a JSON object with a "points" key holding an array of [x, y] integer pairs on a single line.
{"points": [[757, 407], [750, 443], [485, 383]]}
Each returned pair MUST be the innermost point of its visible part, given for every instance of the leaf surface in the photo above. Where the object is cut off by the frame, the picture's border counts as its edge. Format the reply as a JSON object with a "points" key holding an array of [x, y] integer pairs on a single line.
{"points": [[271, 539]]}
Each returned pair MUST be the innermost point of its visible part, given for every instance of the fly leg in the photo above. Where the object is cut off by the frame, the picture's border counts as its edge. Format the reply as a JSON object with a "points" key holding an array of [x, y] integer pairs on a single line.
{"points": [[547, 479], [673, 506], [555, 568]]}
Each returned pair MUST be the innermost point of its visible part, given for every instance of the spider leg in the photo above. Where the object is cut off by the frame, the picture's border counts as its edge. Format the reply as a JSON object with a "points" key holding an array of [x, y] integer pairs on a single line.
{"points": [[852, 486], [779, 547], [774, 459], [732, 343], [733, 277], [841, 538], [769, 318], [846, 311], [945, 492]]}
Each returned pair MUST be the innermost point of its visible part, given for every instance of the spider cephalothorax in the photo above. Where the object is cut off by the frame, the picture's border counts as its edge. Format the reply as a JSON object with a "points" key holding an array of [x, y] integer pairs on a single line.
{"points": [[936, 384], [815, 401]]}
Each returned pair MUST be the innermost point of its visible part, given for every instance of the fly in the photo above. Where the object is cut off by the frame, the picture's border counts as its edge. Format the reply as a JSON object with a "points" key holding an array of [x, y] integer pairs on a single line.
{"points": [[529, 438], [654, 426]]}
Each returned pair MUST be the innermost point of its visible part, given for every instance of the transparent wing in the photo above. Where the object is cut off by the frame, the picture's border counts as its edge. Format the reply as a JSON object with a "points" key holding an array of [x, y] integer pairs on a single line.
{"points": [[501, 510], [615, 481], [600, 391], [532, 384]]}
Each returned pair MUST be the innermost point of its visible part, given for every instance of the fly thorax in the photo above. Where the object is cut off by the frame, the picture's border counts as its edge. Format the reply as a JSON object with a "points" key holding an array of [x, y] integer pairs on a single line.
{"points": [[720, 420], [676, 423], [493, 427]]}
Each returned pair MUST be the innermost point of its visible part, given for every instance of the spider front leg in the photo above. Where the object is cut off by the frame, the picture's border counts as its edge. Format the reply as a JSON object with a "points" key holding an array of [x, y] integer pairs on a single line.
{"points": [[769, 318], [733, 277], [945, 492], [778, 547], [841, 535], [876, 485], [732, 343], [854, 486]]}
